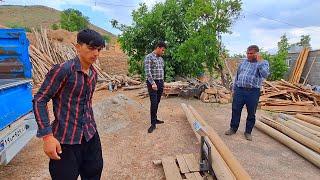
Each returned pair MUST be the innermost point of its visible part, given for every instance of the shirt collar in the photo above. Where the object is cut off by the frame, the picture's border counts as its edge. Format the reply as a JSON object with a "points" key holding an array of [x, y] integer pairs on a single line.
{"points": [[78, 66]]}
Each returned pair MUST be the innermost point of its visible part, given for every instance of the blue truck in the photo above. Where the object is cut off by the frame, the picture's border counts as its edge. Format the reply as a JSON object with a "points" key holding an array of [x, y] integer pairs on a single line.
{"points": [[17, 121]]}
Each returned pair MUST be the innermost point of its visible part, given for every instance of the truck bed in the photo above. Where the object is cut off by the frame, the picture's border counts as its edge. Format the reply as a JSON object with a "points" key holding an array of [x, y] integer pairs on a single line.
{"points": [[7, 83]]}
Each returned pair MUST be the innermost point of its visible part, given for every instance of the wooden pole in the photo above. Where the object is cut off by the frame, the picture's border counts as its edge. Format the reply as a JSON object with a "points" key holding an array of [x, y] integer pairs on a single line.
{"points": [[303, 123], [293, 134], [308, 154], [298, 128], [308, 119], [226, 154], [219, 166]]}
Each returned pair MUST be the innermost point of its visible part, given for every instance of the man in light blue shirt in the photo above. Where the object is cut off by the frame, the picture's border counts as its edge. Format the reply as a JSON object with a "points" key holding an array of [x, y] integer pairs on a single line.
{"points": [[250, 75]]}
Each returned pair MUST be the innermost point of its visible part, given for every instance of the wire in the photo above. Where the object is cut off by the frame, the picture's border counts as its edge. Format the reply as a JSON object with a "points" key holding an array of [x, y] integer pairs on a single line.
{"points": [[279, 21]]}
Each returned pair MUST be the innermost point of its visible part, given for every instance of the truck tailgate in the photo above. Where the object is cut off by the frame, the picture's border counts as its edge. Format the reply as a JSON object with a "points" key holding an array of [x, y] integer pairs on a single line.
{"points": [[15, 100]]}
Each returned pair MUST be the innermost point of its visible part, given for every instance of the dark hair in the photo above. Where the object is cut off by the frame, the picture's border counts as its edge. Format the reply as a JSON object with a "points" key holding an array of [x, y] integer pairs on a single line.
{"points": [[253, 47], [91, 38], [161, 44]]}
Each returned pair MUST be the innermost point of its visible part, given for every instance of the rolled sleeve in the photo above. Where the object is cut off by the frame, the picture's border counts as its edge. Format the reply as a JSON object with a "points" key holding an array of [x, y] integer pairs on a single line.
{"points": [[263, 68]]}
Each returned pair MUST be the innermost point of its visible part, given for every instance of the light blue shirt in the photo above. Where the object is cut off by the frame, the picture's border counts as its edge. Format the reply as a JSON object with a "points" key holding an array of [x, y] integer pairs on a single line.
{"points": [[251, 74]]}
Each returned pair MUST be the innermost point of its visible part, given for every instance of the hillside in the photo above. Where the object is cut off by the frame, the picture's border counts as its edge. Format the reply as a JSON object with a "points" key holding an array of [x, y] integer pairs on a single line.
{"points": [[35, 16], [112, 59]]}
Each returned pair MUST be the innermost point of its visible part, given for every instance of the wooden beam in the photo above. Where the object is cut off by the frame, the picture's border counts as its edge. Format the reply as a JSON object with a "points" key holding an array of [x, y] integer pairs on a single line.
{"points": [[170, 168], [308, 119], [274, 94], [182, 164], [303, 123], [293, 134], [292, 108], [226, 154], [294, 126], [191, 162], [308, 154], [220, 168]]}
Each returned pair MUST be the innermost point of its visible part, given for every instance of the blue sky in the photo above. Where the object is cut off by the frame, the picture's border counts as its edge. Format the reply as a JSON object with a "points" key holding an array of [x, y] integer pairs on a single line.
{"points": [[262, 22]]}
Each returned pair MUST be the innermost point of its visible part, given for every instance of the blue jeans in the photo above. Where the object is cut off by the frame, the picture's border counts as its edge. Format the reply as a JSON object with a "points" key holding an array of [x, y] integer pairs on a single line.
{"points": [[241, 97]]}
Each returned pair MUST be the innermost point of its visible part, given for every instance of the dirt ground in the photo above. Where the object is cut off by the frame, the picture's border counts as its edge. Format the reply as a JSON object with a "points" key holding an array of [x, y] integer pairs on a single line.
{"points": [[128, 149]]}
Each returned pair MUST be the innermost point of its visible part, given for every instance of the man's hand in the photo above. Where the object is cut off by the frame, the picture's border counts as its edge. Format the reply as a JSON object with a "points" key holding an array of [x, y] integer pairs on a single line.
{"points": [[52, 147], [154, 86], [259, 57]]}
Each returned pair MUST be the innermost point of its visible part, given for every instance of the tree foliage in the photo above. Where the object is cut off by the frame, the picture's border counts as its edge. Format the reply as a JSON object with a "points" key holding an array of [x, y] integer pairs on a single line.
{"points": [[305, 41], [73, 20], [191, 29], [277, 62]]}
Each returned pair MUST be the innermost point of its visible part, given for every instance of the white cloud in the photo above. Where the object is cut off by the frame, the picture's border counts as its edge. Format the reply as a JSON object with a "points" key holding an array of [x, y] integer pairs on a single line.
{"points": [[268, 38], [151, 3]]}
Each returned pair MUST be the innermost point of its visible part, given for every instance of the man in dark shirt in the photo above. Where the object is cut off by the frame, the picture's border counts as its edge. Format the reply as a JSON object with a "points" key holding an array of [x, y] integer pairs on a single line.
{"points": [[71, 142], [154, 69]]}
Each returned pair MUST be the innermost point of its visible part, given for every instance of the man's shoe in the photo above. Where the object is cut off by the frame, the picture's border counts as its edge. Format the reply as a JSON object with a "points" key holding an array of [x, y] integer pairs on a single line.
{"points": [[248, 136], [151, 128], [159, 122], [230, 132]]}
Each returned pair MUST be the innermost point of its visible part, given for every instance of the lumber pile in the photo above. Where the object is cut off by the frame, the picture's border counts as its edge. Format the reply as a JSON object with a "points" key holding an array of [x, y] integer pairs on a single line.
{"points": [[225, 165], [299, 65], [282, 96], [209, 92], [298, 134], [216, 95], [174, 88], [45, 52]]}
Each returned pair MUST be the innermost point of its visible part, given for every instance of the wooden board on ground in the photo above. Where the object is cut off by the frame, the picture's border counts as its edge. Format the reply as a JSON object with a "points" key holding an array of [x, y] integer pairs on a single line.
{"points": [[171, 169], [194, 176], [193, 165], [182, 164]]}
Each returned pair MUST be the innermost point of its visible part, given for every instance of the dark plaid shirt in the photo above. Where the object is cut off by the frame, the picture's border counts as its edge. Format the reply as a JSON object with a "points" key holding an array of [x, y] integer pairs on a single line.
{"points": [[71, 92], [154, 67]]}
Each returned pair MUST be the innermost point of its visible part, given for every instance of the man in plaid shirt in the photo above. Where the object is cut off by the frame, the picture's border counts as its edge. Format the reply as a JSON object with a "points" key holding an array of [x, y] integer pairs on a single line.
{"points": [[154, 69], [250, 75]]}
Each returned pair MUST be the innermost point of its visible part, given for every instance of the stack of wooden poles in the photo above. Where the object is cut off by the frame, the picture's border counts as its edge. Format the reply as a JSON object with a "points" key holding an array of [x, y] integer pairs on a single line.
{"points": [[46, 52], [301, 133]]}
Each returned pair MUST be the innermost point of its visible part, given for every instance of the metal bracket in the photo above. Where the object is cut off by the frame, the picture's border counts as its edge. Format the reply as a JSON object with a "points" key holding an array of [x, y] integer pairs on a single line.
{"points": [[205, 157]]}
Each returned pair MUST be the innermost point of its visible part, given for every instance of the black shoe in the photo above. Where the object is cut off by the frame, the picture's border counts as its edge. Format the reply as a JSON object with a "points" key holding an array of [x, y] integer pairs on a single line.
{"points": [[151, 128], [248, 136], [159, 122], [230, 132]]}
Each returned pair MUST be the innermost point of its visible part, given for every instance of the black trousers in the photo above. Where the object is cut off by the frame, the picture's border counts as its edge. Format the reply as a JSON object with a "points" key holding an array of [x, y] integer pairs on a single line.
{"points": [[83, 159], [155, 97], [241, 97]]}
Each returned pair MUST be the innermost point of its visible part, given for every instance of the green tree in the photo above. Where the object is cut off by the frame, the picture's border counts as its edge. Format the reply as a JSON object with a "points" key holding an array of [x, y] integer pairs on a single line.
{"points": [[54, 26], [73, 20], [191, 29], [106, 38], [277, 62], [305, 41]]}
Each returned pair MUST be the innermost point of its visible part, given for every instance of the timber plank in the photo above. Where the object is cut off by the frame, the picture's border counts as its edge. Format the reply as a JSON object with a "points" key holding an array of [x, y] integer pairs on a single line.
{"points": [[191, 162], [170, 168], [182, 164]]}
